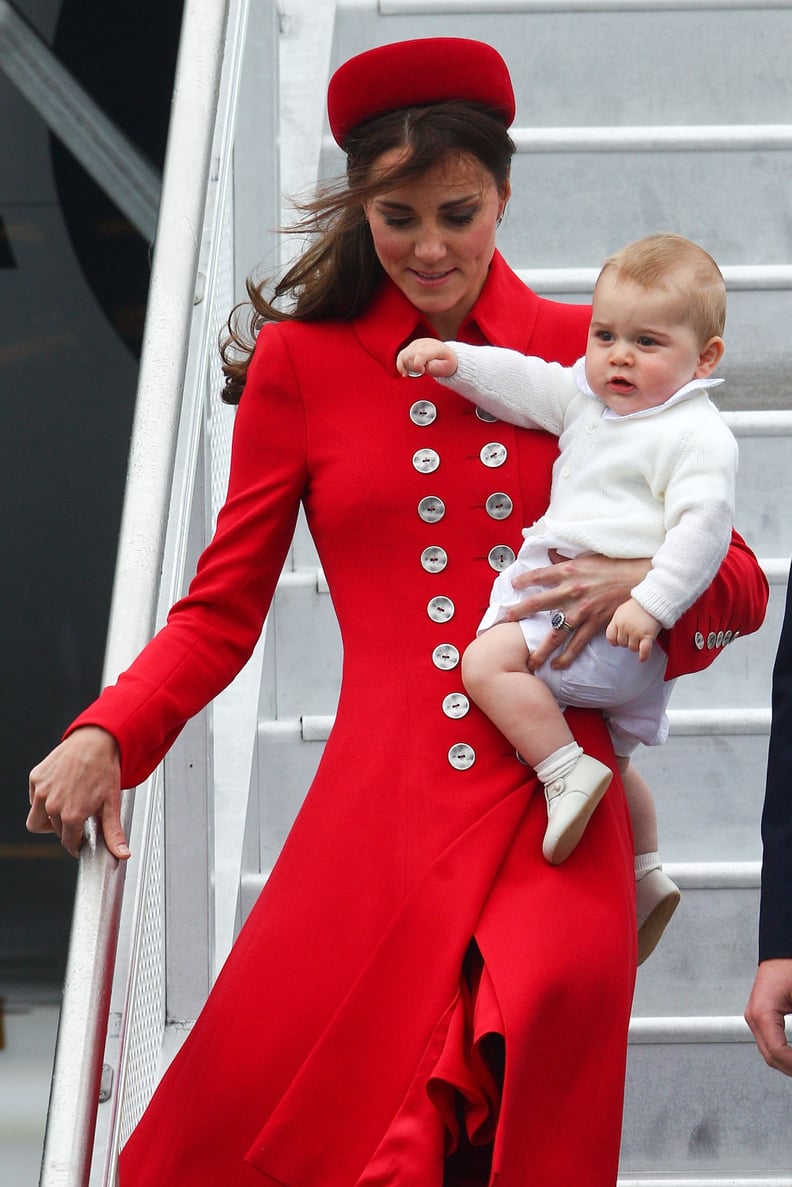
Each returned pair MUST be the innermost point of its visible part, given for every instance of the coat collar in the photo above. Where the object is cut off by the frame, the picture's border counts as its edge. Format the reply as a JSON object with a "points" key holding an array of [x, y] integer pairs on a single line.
{"points": [[504, 315]]}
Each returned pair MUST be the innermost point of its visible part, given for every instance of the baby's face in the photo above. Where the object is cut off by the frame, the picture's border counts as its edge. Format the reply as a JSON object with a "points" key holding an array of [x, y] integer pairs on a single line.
{"points": [[640, 350]]}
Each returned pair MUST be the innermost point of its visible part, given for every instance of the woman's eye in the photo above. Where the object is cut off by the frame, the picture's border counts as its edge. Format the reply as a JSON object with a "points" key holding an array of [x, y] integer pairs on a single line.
{"points": [[461, 220], [390, 221]]}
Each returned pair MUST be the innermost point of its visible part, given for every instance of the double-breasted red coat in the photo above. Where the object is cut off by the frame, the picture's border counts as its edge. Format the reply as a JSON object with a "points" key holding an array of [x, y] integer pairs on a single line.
{"points": [[340, 1026]]}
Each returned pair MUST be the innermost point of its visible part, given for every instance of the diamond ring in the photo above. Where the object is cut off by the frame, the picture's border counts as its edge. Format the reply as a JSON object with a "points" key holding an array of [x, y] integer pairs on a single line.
{"points": [[558, 621]]}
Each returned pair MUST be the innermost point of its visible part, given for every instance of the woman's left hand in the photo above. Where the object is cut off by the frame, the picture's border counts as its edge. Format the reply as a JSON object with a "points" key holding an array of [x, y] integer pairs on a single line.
{"points": [[587, 588]]}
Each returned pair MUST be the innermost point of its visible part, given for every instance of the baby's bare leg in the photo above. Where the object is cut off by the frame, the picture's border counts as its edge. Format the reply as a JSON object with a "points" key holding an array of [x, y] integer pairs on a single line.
{"points": [[495, 674], [641, 806], [657, 896]]}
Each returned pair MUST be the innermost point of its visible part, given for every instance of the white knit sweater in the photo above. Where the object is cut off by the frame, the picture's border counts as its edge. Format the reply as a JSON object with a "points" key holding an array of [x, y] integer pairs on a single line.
{"points": [[657, 483]]}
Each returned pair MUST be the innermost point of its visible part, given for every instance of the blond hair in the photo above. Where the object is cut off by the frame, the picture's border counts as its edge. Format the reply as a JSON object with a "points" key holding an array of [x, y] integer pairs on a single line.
{"points": [[671, 262]]}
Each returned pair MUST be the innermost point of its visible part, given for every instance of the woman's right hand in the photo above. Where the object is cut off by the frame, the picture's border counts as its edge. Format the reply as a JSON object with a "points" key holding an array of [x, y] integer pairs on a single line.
{"points": [[80, 778]]}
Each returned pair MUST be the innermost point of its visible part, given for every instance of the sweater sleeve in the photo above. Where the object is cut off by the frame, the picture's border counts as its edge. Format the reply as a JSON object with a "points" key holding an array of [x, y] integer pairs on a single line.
{"points": [[698, 500], [521, 389], [211, 632]]}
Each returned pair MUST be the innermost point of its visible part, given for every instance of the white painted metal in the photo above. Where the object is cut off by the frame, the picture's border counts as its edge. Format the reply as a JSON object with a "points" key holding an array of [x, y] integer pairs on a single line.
{"points": [[493, 7], [673, 138], [304, 55], [738, 277]]}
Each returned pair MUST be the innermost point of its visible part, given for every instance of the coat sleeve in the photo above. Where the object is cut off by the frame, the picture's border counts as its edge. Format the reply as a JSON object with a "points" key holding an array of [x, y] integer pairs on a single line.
{"points": [[211, 632], [775, 913]]}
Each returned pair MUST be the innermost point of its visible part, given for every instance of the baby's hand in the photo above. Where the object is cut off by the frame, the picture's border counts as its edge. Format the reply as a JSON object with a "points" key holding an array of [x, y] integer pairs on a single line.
{"points": [[426, 356], [633, 627]]}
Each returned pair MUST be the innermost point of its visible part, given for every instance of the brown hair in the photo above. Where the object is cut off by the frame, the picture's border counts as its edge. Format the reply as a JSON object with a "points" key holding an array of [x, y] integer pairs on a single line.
{"points": [[339, 273], [671, 262]]}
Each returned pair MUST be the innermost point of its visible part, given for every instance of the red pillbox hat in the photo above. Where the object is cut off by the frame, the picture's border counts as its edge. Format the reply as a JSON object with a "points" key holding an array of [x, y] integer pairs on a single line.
{"points": [[416, 73]]}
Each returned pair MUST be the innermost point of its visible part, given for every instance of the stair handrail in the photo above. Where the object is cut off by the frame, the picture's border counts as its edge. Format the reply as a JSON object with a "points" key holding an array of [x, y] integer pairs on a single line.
{"points": [[82, 1030]]}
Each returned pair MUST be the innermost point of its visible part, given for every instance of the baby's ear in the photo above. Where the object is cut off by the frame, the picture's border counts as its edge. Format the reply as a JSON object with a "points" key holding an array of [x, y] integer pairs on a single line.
{"points": [[709, 357]]}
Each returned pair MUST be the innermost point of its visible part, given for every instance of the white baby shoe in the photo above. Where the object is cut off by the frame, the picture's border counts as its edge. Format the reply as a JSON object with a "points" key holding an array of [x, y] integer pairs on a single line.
{"points": [[656, 899], [570, 803]]}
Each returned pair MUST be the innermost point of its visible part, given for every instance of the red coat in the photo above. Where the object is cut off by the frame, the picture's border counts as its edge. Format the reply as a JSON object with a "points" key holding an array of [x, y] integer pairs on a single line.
{"points": [[343, 990]]}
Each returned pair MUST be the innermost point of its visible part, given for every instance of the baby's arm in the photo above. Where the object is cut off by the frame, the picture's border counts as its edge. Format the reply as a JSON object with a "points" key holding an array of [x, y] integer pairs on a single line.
{"points": [[426, 356], [698, 489], [633, 627], [521, 389]]}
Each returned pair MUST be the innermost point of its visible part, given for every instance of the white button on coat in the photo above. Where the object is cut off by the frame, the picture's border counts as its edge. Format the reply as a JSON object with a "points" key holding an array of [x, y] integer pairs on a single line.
{"points": [[461, 756], [445, 657], [431, 509], [423, 412], [494, 454], [434, 559], [440, 609], [456, 705], [426, 461], [499, 505]]}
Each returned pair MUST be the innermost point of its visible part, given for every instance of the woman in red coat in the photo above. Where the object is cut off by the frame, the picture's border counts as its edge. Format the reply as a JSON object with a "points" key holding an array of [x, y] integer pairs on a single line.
{"points": [[417, 999]]}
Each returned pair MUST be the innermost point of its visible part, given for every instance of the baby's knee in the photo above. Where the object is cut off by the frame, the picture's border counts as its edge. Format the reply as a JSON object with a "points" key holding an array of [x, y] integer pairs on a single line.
{"points": [[477, 665]]}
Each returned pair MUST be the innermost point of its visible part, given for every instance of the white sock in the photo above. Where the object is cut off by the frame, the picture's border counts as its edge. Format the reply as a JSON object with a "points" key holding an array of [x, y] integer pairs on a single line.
{"points": [[645, 863], [559, 764]]}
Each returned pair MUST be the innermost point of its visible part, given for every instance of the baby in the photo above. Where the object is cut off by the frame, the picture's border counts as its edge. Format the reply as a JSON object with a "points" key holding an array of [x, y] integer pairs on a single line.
{"points": [[646, 468]]}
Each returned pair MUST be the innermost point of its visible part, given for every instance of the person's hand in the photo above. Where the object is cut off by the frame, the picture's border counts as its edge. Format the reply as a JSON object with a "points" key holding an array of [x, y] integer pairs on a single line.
{"points": [[770, 1000], [80, 778], [426, 356], [634, 628], [587, 588]]}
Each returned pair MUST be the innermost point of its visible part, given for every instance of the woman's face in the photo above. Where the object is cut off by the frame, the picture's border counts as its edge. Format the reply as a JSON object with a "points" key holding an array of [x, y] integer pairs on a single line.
{"points": [[435, 236]]}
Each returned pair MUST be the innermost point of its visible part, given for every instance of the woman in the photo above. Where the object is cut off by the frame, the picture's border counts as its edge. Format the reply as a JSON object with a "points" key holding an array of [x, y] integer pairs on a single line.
{"points": [[402, 1005]]}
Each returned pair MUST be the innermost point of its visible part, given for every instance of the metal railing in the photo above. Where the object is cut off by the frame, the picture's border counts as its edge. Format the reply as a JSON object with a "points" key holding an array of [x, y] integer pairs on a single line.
{"points": [[172, 350]]}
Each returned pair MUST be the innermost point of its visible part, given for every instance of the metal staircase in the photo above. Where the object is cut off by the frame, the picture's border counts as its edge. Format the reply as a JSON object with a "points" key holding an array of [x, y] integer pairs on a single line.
{"points": [[632, 116]]}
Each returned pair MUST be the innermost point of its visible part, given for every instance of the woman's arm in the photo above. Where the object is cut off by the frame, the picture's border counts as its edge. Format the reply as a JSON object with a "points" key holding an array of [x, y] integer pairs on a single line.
{"points": [[211, 632], [735, 603]]}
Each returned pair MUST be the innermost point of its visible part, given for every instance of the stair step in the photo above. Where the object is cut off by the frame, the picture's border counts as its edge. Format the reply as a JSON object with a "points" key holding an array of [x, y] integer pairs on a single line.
{"points": [[705, 1181], [303, 652], [707, 199], [653, 36], [692, 971], [705, 1108], [580, 281]]}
